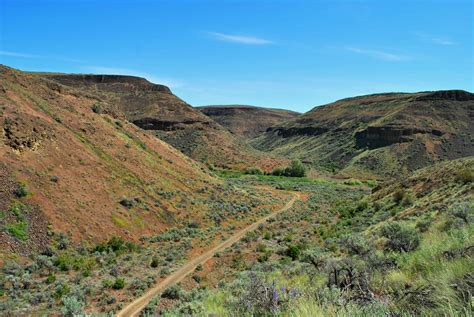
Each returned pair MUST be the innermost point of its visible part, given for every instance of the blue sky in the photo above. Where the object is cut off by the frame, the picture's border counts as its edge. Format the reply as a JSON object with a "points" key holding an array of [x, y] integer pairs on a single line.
{"points": [[285, 54]]}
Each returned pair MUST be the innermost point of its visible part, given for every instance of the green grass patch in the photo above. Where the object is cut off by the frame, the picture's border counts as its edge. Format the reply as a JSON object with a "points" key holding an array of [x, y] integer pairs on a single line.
{"points": [[18, 229]]}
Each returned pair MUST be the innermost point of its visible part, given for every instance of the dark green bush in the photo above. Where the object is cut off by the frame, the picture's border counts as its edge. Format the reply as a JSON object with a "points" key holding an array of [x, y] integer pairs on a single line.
{"points": [[465, 176], [18, 229], [293, 251], [119, 283], [400, 238], [21, 191], [398, 196], [296, 169], [173, 292], [97, 108], [155, 262], [127, 203], [463, 211], [355, 244], [254, 171]]}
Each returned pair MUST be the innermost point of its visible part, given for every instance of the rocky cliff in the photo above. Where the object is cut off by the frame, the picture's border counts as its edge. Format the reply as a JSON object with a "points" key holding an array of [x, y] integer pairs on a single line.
{"points": [[155, 108], [247, 121], [379, 134]]}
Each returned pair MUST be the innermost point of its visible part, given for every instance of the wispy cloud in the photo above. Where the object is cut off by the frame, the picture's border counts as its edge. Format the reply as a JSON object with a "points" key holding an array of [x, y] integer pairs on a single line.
{"points": [[439, 40], [241, 39], [29, 55], [391, 57], [18, 54], [170, 82]]}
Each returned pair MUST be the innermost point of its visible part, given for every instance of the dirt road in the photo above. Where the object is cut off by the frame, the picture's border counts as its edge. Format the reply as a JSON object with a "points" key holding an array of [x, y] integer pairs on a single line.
{"points": [[135, 307]]}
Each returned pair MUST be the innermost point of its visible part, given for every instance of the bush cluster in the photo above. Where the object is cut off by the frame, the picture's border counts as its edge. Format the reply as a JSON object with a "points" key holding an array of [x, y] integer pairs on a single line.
{"points": [[296, 169]]}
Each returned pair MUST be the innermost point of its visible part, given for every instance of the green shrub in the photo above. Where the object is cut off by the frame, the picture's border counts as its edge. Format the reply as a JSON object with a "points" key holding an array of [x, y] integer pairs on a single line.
{"points": [[278, 171], [464, 176], [155, 262], [21, 191], [296, 169], [115, 244], [400, 238], [97, 108], [293, 251], [254, 171], [127, 203], [61, 290], [402, 197], [72, 306], [398, 196], [196, 278], [18, 229], [51, 278], [463, 211], [407, 200], [423, 225], [119, 283], [355, 244], [238, 262], [173, 292]]}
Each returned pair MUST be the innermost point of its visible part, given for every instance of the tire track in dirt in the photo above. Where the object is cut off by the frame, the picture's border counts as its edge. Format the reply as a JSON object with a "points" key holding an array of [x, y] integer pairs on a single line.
{"points": [[134, 308]]}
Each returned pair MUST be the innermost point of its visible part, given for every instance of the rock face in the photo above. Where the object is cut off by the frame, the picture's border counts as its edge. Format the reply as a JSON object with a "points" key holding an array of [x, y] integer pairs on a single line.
{"points": [[155, 108], [289, 132], [113, 83], [379, 134], [247, 121], [375, 137]]}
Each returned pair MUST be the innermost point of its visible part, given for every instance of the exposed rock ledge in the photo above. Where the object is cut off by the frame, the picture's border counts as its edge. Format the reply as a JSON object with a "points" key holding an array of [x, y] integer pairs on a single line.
{"points": [[289, 132], [154, 124], [375, 137]]}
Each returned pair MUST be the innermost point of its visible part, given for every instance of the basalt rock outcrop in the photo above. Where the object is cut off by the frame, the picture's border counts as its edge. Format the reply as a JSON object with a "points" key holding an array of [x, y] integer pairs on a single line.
{"points": [[155, 108], [247, 121], [379, 135]]}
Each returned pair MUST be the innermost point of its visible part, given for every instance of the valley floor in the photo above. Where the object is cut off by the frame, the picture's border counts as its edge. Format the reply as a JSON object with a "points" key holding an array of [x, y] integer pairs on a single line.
{"points": [[303, 247]]}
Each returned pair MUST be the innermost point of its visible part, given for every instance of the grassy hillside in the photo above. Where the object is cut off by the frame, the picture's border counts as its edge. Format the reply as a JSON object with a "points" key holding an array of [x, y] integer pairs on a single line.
{"points": [[247, 121], [405, 249], [153, 107], [382, 135], [93, 209], [91, 174]]}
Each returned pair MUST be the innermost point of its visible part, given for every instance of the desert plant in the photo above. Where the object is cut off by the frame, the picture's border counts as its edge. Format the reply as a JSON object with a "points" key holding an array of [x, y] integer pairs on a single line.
{"points": [[155, 262], [97, 108], [254, 171], [173, 292], [293, 251], [463, 211], [398, 195], [464, 176], [18, 229], [400, 238], [119, 283], [21, 191], [72, 306]]}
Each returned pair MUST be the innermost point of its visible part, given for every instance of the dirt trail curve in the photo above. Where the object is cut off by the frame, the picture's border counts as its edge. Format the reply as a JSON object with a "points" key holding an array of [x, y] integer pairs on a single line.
{"points": [[135, 307]]}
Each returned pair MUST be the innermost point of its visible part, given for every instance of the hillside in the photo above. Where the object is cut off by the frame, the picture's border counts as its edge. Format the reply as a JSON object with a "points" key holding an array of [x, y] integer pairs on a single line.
{"points": [[247, 121], [86, 173], [403, 250], [154, 107], [379, 135]]}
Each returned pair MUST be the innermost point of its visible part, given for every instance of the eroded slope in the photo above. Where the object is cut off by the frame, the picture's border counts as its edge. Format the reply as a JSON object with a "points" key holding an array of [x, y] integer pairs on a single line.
{"points": [[154, 107], [379, 135]]}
